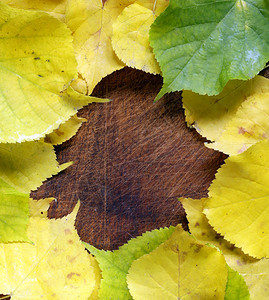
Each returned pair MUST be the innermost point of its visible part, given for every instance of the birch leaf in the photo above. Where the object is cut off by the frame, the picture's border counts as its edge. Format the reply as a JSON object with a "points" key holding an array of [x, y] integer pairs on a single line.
{"points": [[91, 24], [36, 67], [179, 268], [233, 120], [254, 271], [65, 131], [236, 287], [201, 45], [115, 264], [130, 38], [55, 266], [56, 8], [237, 207], [25, 166], [14, 214]]}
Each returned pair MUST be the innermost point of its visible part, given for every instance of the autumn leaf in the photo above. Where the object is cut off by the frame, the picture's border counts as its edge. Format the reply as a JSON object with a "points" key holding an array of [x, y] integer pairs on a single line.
{"points": [[179, 268], [233, 120], [56, 8], [36, 68], [14, 214], [130, 38], [65, 131], [25, 166], [91, 24], [115, 264], [202, 45], [255, 272], [236, 287], [237, 207], [55, 266], [39, 208]]}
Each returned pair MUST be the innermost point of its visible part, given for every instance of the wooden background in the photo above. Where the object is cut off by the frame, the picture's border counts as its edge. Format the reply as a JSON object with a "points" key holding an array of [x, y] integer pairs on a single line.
{"points": [[132, 160]]}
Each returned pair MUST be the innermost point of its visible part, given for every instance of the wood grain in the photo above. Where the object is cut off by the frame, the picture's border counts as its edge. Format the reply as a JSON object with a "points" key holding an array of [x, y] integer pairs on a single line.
{"points": [[132, 160]]}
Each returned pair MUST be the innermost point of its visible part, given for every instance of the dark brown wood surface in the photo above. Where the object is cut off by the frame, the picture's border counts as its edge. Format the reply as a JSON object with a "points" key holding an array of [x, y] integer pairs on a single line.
{"points": [[132, 160]]}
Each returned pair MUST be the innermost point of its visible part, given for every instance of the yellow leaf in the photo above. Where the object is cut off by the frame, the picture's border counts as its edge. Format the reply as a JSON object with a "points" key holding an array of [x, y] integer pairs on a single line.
{"points": [[25, 166], [180, 268], [254, 271], [233, 120], [39, 208], [237, 207], [37, 65], [55, 266], [65, 131], [130, 38], [91, 24], [56, 7]]}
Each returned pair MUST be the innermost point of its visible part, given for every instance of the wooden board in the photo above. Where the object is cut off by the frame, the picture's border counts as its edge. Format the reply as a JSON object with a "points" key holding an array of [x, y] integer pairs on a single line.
{"points": [[132, 160]]}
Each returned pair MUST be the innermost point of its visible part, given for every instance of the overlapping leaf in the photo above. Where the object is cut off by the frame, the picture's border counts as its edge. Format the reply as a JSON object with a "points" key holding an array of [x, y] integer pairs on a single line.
{"points": [[233, 120], [25, 166], [91, 24], [255, 272], [37, 64], [237, 206], [56, 7], [115, 264], [14, 214], [130, 38], [179, 268], [55, 266], [65, 131], [236, 287], [202, 45]]}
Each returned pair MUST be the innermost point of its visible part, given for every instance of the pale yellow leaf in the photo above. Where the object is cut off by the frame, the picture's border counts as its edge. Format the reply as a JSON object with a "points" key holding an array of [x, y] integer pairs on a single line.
{"points": [[130, 38], [55, 266], [254, 271], [180, 268], [39, 208], [91, 24], [65, 131], [233, 120]]}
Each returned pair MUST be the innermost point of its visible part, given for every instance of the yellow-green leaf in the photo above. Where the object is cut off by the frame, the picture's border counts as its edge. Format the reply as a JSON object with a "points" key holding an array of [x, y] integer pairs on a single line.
{"points": [[179, 268], [91, 24], [14, 214], [54, 266], [65, 131], [130, 38], [56, 7], [25, 166], [115, 264], [233, 120], [37, 64], [254, 271], [237, 207], [236, 287]]}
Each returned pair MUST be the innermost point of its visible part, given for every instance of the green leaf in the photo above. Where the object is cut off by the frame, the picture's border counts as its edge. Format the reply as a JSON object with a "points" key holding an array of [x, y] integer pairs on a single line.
{"points": [[236, 287], [201, 45], [37, 64], [115, 264], [14, 214]]}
